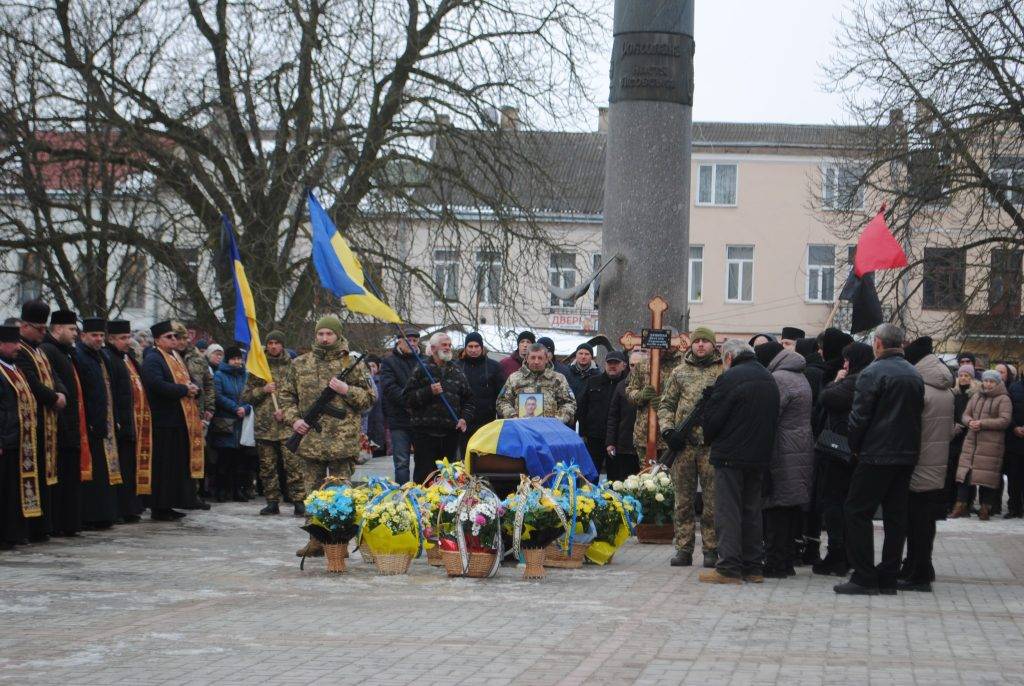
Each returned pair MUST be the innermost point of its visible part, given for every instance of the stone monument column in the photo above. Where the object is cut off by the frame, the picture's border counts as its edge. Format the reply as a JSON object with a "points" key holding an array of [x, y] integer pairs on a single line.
{"points": [[647, 164]]}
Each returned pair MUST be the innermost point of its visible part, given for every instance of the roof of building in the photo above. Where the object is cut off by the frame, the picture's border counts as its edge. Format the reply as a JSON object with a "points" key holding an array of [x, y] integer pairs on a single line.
{"points": [[558, 172]]}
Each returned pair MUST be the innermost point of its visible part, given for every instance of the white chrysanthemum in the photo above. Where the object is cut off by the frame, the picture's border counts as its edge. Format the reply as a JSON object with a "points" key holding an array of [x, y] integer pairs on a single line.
{"points": [[659, 497]]}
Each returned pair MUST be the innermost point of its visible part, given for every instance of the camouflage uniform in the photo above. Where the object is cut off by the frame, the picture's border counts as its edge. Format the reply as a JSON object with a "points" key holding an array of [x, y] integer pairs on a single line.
{"points": [[271, 435], [677, 400], [336, 446], [639, 379], [199, 371], [558, 398]]}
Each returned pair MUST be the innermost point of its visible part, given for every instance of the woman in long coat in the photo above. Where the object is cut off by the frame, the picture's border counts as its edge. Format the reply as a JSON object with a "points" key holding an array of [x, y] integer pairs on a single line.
{"points": [[981, 460]]}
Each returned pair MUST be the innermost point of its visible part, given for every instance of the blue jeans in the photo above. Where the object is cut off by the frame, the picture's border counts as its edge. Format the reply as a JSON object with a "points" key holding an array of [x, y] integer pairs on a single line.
{"points": [[401, 440]]}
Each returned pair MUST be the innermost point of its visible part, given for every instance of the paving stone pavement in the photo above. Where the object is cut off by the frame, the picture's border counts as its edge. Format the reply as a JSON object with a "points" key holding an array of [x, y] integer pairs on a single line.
{"points": [[219, 598]]}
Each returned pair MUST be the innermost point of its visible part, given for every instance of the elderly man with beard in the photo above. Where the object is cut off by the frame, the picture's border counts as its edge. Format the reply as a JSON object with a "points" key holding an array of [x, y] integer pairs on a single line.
{"points": [[435, 432]]}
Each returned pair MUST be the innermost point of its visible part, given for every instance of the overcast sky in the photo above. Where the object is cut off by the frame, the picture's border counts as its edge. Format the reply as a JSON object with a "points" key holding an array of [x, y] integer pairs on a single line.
{"points": [[760, 61]]}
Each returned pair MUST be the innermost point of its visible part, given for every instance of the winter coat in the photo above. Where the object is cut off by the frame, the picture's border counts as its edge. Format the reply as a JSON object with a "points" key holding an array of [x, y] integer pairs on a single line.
{"points": [[10, 423], [814, 371], [61, 361], [885, 422], [395, 371], [121, 387], [621, 419], [836, 400], [267, 428], [91, 365], [376, 427], [592, 404], [960, 400], [639, 379], [228, 385], [742, 415], [936, 425], [307, 376], [558, 398], [684, 389], [163, 393], [792, 465], [427, 412], [485, 381], [578, 378], [46, 396], [510, 365], [982, 454], [1014, 443]]}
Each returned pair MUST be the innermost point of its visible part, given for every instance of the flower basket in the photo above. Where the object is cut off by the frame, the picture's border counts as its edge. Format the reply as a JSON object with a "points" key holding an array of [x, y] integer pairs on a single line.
{"points": [[434, 558], [556, 557], [366, 553], [534, 563], [336, 555], [614, 521], [392, 564], [655, 533], [536, 521], [653, 489], [479, 567], [469, 530]]}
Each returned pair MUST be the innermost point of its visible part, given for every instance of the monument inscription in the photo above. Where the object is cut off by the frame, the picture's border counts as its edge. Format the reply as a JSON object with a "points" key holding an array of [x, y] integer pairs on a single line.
{"points": [[652, 66]]}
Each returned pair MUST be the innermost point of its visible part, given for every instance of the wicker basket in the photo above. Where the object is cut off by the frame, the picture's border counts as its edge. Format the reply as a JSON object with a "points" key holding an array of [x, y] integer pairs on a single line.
{"points": [[367, 554], [480, 564], [556, 557], [336, 554], [391, 564], [534, 563], [434, 558], [655, 533]]}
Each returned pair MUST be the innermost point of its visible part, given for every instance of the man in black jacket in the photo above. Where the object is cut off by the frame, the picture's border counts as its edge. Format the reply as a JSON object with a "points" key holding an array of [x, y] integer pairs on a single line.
{"points": [[622, 460], [593, 402], [485, 381], [740, 420], [59, 348], [582, 369], [395, 372], [435, 432], [885, 436]]}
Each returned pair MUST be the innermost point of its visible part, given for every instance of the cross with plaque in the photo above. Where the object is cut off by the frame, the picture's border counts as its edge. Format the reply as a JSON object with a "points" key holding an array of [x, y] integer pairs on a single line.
{"points": [[655, 340]]}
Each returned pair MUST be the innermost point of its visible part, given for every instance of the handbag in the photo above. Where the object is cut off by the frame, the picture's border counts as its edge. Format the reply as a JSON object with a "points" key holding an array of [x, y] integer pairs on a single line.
{"points": [[834, 445]]}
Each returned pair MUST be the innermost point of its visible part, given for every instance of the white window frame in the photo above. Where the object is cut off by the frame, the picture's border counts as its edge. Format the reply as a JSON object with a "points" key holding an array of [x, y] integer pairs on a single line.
{"points": [[446, 258], [839, 165], [24, 279], [740, 261], [819, 268], [486, 260], [689, 274], [714, 182], [556, 277], [1010, 172]]}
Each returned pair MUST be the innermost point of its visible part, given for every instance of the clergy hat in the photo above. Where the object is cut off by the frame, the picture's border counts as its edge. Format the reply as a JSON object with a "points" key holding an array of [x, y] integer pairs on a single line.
{"points": [[119, 326], [63, 317], [35, 312], [9, 334], [791, 333], [160, 328], [94, 325]]}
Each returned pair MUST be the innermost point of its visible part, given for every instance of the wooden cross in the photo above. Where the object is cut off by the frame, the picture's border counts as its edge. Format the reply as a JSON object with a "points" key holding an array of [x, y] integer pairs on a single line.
{"points": [[631, 341]]}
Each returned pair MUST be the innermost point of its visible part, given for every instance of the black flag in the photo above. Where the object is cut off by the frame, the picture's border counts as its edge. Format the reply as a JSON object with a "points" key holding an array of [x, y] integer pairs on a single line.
{"points": [[862, 296]]}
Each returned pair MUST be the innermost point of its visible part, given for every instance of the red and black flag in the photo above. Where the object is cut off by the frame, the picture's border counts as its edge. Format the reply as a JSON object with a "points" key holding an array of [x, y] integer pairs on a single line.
{"points": [[877, 249]]}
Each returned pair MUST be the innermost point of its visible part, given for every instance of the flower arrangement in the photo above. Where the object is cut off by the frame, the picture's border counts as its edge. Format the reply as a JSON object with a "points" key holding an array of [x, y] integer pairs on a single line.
{"points": [[479, 520], [333, 513], [392, 523], [654, 492], [614, 520], [535, 519]]}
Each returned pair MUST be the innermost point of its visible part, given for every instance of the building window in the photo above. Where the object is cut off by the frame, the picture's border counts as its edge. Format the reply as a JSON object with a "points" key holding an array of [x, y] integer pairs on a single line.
{"points": [[841, 188], [739, 266], [1004, 285], [944, 273], [446, 275], [821, 273], [695, 285], [488, 277], [135, 282], [30, 277], [562, 274], [716, 184], [1009, 176]]}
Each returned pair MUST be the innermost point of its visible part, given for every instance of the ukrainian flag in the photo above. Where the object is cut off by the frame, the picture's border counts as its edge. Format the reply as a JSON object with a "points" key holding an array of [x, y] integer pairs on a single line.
{"points": [[245, 313], [339, 269]]}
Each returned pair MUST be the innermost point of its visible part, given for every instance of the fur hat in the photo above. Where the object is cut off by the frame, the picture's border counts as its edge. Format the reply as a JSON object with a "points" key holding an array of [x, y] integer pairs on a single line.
{"points": [[833, 341], [791, 333], [232, 351], [766, 352]]}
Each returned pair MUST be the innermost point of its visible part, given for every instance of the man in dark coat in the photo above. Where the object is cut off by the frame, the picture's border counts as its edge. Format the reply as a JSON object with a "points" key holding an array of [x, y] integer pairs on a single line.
{"points": [[485, 382], [100, 493], [622, 460], [511, 364], [51, 399], [172, 481], [593, 402], [395, 372], [123, 369], [740, 421], [435, 432], [885, 435], [59, 348], [16, 402], [582, 369]]}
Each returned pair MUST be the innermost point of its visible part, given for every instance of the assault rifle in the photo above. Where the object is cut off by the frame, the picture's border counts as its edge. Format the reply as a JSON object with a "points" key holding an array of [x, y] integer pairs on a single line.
{"points": [[678, 438], [321, 407]]}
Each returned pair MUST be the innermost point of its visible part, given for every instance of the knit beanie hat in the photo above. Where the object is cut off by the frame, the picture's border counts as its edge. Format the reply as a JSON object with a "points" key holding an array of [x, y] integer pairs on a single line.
{"points": [[585, 346], [547, 343], [526, 336], [967, 369], [703, 333], [474, 337], [276, 335], [329, 321], [214, 348], [766, 352], [916, 351], [991, 375]]}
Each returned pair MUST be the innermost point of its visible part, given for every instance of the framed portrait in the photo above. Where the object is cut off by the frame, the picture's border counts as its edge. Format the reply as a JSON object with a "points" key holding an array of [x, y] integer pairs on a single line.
{"points": [[531, 405]]}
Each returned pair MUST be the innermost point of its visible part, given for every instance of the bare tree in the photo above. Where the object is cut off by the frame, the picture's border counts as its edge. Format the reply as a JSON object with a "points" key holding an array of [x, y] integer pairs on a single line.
{"points": [[937, 87], [239, 108]]}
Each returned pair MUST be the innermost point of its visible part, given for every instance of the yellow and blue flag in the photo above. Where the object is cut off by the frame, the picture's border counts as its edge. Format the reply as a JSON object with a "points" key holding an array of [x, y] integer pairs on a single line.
{"points": [[246, 331], [339, 269]]}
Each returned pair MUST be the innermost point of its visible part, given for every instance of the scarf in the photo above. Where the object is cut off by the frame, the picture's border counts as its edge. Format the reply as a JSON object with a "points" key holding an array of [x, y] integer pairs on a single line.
{"points": [[45, 373], [143, 432], [85, 459], [193, 423], [110, 440], [28, 472]]}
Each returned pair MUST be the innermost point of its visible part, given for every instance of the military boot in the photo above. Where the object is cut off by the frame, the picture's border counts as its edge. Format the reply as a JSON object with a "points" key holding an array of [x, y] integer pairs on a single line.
{"points": [[271, 508], [299, 509], [710, 559], [682, 559], [313, 548]]}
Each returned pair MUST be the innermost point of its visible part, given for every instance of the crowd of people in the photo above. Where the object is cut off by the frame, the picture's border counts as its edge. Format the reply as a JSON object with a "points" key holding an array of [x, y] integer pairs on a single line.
{"points": [[792, 435]]}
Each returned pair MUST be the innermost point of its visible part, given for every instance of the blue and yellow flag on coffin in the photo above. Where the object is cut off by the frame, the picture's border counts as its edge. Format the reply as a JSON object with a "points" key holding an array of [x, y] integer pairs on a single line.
{"points": [[245, 312], [339, 269]]}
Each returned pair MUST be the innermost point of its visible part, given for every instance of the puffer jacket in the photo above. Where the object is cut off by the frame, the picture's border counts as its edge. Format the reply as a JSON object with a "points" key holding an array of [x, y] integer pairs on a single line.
{"points": [[228, 385], [885, 422], [982, 454], [936, 425], [792, 465]]}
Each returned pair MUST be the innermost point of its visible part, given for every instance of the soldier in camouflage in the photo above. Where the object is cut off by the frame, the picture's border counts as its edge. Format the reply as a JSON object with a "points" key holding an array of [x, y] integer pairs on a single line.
{"points": [[537, 376], [334, 449], [272, 431], [700, 367], [640, 394], [199, 371]]}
